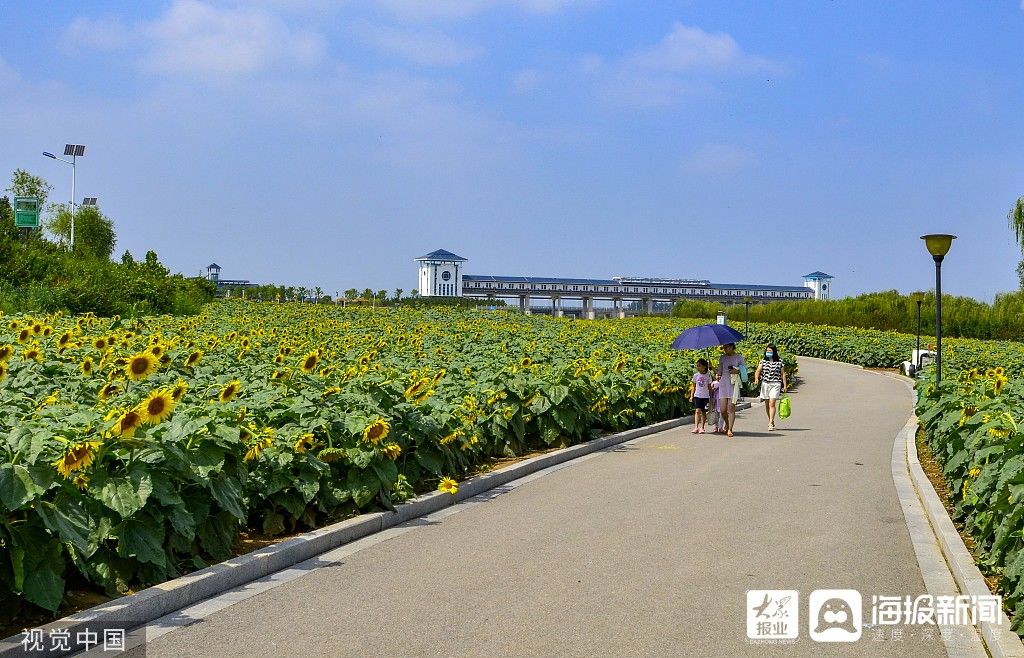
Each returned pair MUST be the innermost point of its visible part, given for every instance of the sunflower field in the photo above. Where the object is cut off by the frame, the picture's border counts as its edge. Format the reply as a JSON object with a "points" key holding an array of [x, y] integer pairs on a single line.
{"points": [[132, 451], [872, 348], [972, 428]]}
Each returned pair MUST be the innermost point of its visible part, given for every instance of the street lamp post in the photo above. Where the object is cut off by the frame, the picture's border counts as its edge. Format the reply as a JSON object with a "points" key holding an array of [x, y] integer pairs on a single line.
{"points": [[938, 246], [918, 297], [75, 151], [746, 317]]}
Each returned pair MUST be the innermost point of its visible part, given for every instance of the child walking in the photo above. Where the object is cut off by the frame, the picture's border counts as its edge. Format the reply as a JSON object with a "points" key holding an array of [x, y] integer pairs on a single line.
{"points": [[700, 396]]}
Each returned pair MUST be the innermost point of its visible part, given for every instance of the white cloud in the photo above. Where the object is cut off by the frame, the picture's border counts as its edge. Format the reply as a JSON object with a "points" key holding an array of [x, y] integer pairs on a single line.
{"points": [[195, 39], [680, 66], [424, 47], [717, 159], [691, 49], [96, 34], [460, 9]]}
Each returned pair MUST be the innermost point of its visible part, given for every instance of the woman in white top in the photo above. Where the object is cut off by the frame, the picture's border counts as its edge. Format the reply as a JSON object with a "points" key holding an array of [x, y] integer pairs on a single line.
{"points": [[771, 372]]}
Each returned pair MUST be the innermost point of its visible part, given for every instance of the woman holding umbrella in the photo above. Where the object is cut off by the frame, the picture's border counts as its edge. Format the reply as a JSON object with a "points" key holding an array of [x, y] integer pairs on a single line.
{"points": [[711, 335], [729, 384]]}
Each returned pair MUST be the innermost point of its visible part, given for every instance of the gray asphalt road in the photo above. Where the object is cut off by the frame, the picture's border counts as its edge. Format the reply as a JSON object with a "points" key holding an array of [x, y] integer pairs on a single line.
{"points": [[647, 549]]}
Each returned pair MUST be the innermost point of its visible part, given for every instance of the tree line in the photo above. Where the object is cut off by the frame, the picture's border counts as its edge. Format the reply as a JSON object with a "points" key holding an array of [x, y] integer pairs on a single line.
{"points": [[889, 311], [41, 271]]}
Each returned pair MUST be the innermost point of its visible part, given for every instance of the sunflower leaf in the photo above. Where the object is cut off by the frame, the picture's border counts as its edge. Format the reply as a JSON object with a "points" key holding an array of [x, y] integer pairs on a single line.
{"points": [[143, 541], [69, 520], [227, 491], [126, 496], [46, 586], [16, 486]]}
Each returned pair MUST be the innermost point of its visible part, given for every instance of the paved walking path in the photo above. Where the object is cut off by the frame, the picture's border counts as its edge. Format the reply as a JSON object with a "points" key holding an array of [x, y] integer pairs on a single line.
{"points": [[646, 549]]}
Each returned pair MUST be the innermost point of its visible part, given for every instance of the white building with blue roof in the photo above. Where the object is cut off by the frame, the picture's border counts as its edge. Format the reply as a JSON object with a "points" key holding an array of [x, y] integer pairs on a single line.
{"points": [[820, 283], [441, 275]]}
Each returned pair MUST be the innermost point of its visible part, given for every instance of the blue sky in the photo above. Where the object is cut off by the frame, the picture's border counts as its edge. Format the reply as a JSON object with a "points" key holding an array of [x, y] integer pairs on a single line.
{"points": [[330, 142]]}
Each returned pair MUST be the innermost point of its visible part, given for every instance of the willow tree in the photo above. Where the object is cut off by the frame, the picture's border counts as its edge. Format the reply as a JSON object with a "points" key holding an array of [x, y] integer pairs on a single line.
{"points": [[1016, 220]]}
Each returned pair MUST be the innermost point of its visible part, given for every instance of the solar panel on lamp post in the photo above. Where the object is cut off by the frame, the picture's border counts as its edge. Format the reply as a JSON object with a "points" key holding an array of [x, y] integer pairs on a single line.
{"points": [[75, 151]]}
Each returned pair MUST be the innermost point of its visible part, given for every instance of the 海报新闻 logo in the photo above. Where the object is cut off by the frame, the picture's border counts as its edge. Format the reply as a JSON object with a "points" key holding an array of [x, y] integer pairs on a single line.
{"points": [[835, 615]]}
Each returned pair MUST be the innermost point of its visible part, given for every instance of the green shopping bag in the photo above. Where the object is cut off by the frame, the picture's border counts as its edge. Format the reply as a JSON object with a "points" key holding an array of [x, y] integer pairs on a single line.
{"points": [[784, 408]]}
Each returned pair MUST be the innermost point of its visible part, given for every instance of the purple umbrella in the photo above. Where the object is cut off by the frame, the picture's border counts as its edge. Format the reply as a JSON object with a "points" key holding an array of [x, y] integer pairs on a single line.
{"points": [[706, 335]]}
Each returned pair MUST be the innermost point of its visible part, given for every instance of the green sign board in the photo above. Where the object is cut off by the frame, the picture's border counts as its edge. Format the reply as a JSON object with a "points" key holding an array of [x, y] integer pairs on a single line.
{"points": [[26, 212]]}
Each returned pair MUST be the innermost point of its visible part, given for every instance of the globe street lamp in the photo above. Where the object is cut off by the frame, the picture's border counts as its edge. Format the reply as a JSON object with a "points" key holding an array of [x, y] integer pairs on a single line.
{"points": [[938, 246], [75, 151], [918, 297]]}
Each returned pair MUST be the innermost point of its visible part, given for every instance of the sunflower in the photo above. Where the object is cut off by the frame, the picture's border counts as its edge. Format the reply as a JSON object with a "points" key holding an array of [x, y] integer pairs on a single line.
{"points": [[417, 389], [47, 331], [3, 369], [86, 366], [392, 450], [309, 362], [140, 366], [6, 352], [108, 391], [193, 358], [304, 443], [156, 350], [100, 343], [33, 353], [229, 391], [127, 424], [258, 446], [81, 481], [157, 406], [51, 399], [178, 391], [77, 457], [331, 455], [448, 485], [376, 431], [37, 328], [64, 339]]}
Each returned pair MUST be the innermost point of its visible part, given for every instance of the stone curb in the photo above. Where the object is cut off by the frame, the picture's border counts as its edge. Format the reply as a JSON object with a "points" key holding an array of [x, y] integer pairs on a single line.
{"points": [[154, 602], [1000, 641]]}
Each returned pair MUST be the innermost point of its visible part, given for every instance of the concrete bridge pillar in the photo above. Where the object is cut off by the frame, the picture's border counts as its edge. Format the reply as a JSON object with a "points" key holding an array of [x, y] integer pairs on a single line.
{"points": [[649, 306], [556, 306], [588, 308], [524, 304], [619, 312]]}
